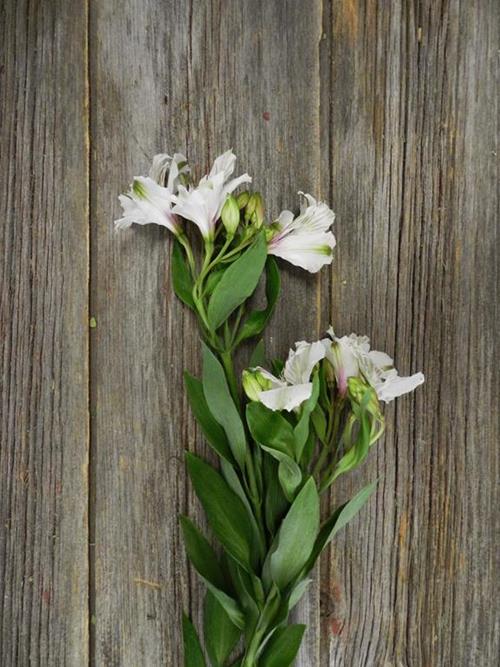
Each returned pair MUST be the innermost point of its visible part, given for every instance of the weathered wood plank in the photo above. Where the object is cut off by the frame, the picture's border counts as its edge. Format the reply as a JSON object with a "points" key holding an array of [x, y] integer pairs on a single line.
{"points": [[410, 112], [200, 77], [44, 335]]}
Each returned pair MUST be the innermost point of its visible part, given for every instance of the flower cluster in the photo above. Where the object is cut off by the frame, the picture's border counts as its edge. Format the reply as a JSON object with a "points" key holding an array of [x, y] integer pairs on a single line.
{"points": [[346, 357], [282, 436], [167, 196]]}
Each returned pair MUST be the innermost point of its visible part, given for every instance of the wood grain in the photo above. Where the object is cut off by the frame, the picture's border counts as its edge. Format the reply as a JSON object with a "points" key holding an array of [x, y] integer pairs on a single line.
{"points": [[44, 335], [390, 111], [411, 119]]}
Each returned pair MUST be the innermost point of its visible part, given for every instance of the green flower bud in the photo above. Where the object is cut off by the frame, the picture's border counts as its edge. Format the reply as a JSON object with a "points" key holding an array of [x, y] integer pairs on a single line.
{"points": [[358, 390], [254, 211], [230, 215], [254, 382], [243, 198]]}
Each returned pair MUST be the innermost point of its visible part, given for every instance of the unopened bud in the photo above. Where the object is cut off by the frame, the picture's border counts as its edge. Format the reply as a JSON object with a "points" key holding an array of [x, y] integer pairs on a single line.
{"points": [[362, 393], [242, 199], [254, 211], [254, 382], [230, 215]]}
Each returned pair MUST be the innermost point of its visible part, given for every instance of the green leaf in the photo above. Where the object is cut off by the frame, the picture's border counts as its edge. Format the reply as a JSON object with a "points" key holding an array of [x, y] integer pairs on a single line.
{"points": [[238, 283], [221, 404], [213, 280], [242, 582], [282, 648], [275, 504], [212, 430], [301, 431], [234, 483], [193, 655], [205, 562], [289, 473], [257, 320], [201, 554], [297, 592], [226, 513], [319, 422], [219, 631], [270, 428], [337, 521], [258, 357], [181, 276], [296, 536]]}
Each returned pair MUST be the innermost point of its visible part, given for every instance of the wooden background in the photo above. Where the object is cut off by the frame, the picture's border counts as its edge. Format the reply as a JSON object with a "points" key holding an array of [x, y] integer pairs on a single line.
{"points": [[389, 111]]}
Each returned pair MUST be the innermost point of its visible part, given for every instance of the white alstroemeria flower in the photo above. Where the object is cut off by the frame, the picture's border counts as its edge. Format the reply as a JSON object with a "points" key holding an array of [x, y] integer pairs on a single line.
{"points": [[295, 386], [306, 240], [203, 204], [351, 356], [149, 201]]}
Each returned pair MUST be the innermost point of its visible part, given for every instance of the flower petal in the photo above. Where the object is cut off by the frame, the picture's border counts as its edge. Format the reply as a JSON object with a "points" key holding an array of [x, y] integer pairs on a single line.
{"points": [[286, 398], [301, 361], [397, 386]]}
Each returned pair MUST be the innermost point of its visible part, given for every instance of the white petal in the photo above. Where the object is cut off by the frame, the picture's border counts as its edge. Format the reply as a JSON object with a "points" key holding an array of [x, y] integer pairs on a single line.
{"points": [[286, 398], [397, 386], [381, 359], [224, 164], [300, 363], [301, 248], [159, 168]]}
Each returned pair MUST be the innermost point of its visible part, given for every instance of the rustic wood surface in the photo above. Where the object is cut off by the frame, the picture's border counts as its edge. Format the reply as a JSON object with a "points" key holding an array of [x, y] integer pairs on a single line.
{"points": [[387, 110]]}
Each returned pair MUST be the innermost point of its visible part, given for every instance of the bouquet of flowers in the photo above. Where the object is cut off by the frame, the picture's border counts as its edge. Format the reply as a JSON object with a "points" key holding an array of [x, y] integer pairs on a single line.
{"points": [[283, 431]]}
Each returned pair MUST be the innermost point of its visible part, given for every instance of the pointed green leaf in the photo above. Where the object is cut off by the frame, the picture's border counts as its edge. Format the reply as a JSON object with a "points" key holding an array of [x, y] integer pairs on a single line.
{"points": [[238, 283], [221, 404], [337, 521], [214, 433], [275, 503], [296, 536], [258, 357], [270, 428], [181, 276], [219, 631], [201, 554], [282, 648], [257, 320], [301, 431], [289, 473], [226, 513], [193, 655]]}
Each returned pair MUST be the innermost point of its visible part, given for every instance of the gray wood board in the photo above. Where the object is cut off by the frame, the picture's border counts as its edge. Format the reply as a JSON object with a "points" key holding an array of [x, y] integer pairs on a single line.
{"points": [[410, 116], [44, 335]]}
